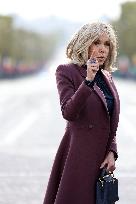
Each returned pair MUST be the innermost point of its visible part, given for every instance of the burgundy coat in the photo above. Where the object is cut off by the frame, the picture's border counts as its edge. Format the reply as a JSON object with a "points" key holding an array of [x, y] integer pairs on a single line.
{"points": [[89, 135]]}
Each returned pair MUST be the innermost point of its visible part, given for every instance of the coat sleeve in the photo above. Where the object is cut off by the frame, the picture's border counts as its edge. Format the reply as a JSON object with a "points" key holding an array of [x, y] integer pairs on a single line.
{"points": [[71, 101], [113, 147]]}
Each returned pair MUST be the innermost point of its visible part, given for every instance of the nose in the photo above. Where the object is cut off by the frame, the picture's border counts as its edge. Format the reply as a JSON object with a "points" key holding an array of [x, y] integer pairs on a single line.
{"points": [[102, 49]]}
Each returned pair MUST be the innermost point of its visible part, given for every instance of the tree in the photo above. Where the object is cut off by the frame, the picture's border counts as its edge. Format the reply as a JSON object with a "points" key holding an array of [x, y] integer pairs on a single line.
{"points": [[126, 29], [23, 46], [6, 30]]}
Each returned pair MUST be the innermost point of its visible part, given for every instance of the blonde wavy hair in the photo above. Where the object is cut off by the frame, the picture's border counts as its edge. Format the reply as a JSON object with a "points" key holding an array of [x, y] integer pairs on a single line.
{"points": [[77, 49]]}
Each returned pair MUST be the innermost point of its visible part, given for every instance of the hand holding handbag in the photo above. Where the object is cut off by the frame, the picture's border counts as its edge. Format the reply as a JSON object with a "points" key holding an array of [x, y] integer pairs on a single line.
{"points": [[106, 188]]}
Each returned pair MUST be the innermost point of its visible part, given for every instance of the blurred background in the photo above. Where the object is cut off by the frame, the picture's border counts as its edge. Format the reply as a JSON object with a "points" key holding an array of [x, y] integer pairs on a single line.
{"points": [[33, 39]]}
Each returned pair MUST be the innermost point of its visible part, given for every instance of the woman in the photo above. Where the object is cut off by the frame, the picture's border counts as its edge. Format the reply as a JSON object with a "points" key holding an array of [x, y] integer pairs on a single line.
{"points": [[90, 104]]}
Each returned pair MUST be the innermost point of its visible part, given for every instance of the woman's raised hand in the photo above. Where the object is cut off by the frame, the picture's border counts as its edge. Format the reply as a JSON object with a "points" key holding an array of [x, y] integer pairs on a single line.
{"points": [[92, 67]]}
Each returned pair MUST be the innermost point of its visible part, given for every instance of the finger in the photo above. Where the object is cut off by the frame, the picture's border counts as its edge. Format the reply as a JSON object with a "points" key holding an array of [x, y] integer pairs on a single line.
{"points": [[93, 54], [92, 61], [94, 70], [102, 165], [93, 58], [111, 168], [95, 67], [108, 168]]}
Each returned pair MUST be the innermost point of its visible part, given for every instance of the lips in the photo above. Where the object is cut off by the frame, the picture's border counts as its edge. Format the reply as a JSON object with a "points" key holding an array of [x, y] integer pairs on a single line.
{"points": [[101, 58]]}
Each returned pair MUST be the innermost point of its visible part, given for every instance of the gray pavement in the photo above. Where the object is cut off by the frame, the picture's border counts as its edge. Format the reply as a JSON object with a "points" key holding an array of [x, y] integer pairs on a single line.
{"points": [[31, 128]]}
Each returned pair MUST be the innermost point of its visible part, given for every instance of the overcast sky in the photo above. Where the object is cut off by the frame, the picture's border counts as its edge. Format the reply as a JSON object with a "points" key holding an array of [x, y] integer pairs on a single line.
{"points": [[76, 10]]}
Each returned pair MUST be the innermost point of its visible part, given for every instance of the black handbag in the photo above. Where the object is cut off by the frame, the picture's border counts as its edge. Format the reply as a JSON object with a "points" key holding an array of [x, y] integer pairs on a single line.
{"points": [[106, 188]]}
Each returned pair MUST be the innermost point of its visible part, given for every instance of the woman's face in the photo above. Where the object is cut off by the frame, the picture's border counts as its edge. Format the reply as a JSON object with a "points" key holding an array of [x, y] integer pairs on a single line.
{"points": [[100, 49]]}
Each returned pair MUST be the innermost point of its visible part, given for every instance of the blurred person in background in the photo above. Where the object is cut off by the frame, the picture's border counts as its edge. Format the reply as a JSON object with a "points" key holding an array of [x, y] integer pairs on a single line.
{"points": [[90, 104]]}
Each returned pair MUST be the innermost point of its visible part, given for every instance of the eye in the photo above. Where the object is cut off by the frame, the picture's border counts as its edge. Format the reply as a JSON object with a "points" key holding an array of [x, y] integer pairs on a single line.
{"points": [[96, 42], [107, 43]]}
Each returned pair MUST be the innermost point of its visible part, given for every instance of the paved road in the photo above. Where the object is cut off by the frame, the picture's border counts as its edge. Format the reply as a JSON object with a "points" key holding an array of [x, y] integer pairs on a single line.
{"points": [[31, 128]]}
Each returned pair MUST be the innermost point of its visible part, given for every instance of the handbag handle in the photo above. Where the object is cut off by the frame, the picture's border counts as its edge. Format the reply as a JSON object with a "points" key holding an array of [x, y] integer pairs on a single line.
{"points": [[105, 175], [104, 172]]}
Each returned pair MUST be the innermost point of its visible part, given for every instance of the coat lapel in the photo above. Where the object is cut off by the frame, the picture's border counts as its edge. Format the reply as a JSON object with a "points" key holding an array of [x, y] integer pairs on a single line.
{"points": [[101, 95], [109, 82], [115, 114]]}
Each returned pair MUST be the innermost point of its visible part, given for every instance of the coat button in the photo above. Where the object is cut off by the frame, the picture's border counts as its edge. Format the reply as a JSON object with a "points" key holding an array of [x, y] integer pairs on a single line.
{"points": [[90, 126]]}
